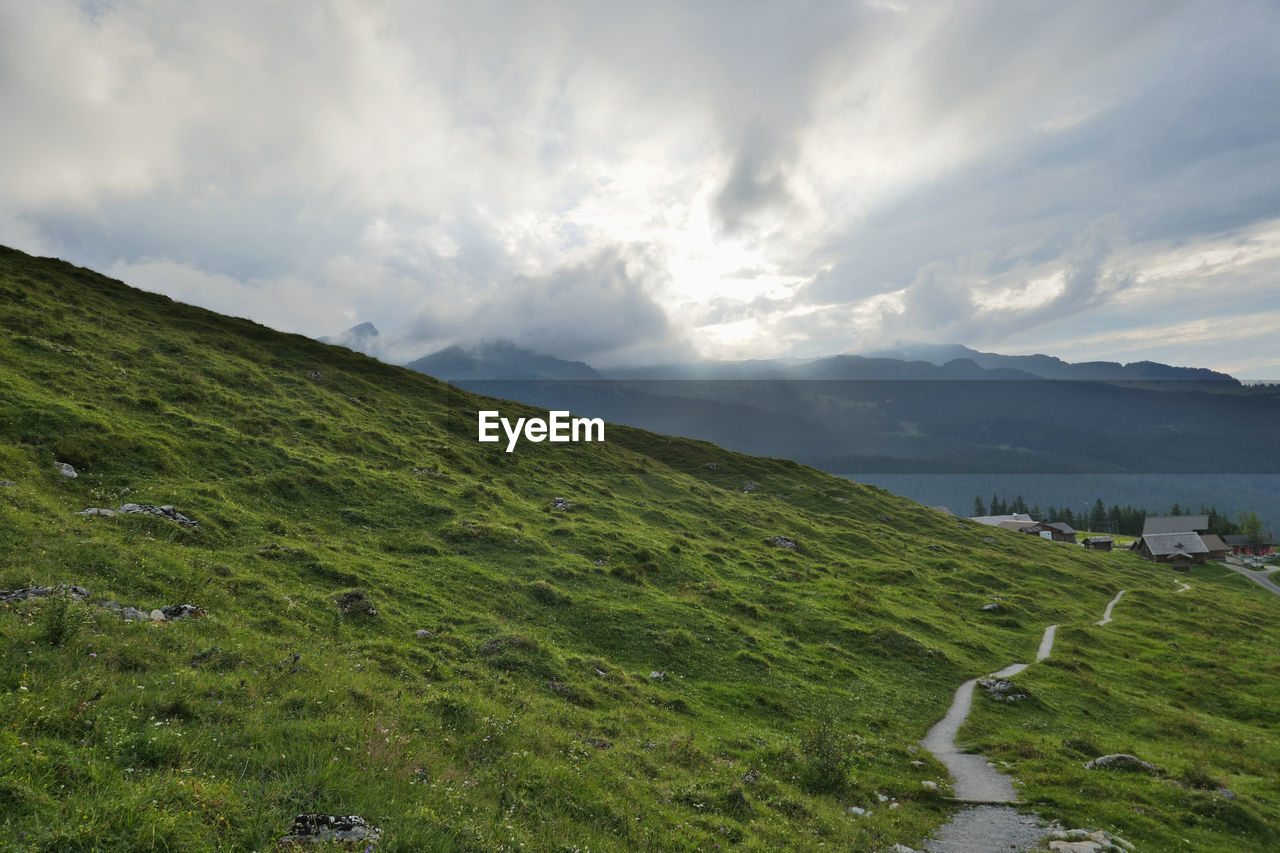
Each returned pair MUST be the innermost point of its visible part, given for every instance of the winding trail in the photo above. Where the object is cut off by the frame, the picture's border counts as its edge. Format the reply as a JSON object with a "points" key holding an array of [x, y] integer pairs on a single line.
{"points": [[986, 825], [1106, 614]]}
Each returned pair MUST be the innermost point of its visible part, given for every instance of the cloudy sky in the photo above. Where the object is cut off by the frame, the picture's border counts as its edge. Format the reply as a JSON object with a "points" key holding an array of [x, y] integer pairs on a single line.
{"points": [[623, 182]]}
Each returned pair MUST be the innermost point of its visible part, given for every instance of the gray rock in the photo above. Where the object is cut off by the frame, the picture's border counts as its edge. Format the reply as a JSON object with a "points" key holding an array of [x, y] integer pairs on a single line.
{"points": [[782, 542], [750, 777], [4, 484], [1226, 793], [423, 634], [174, 612], [1075, 847], [902, 848], [711, 466], [561, 504], [133, 614], [858, 811], [990, 608], [168, 513], [315, 376], [750, 486], [77, 593], [929, 786], [658, 676], [156, 615], [327, 828], [98, 511], [883, 517], [1002, 688], [66, 469], [1121, 761]]}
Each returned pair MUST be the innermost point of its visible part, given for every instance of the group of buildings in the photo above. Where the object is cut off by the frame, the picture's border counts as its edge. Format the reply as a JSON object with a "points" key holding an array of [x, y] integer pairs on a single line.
{"points": [[1178, 540]]}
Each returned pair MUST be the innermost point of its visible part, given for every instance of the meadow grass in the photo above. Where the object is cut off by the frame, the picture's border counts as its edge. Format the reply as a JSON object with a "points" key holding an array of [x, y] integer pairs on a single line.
{"points": [[526, 717]]}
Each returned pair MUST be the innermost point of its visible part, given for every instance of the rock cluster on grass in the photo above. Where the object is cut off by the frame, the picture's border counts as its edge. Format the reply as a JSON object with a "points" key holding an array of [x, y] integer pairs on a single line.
{"points": [[77, 593], [168, 513], [1084, 841], [328, 828], [1002, 689], [169, 613], [1121, 761], [782, 542], [4, 484], [561, 504]]}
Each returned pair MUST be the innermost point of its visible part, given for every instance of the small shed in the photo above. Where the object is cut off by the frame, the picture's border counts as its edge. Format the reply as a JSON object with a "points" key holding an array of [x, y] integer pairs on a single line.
{"points": [[1098, 543], [1060, 531], [1181, 562]]}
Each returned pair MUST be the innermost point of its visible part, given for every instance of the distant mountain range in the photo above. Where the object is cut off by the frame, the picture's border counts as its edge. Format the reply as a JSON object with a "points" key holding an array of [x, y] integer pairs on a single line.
{"points": [[502, 360], [1049, 367], [919, 410]]}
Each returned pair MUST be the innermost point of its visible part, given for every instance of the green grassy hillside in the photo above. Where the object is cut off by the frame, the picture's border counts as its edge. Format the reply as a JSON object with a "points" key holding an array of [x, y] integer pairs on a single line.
{"points": [[501, 696]]}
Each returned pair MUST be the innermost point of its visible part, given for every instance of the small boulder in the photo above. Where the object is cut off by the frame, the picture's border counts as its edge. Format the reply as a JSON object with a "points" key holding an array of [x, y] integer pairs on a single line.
{"points": [[991, 607], [750, 486], [327, 828], [1121, 761], [930, 786], [561, 504], [4, 484], [750, 777], [1002, 688], [785, 542], [424, 634], [658, 676], [173, 612], [711, 466], [1075, 847], [156, 615], [66, 469]]}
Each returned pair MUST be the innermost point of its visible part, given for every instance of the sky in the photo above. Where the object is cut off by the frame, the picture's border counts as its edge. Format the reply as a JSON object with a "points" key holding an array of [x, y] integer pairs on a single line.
{"points": [[628, 183]]}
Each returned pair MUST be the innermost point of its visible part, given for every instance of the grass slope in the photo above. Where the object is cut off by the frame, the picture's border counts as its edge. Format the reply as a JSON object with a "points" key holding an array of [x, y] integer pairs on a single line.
{"points": [[526, 718]]}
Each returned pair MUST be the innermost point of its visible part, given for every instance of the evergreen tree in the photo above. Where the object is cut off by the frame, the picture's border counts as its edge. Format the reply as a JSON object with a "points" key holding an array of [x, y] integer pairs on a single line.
{"points": [[1019, 505], [1098, 517], [995, 504], [978, 507]]}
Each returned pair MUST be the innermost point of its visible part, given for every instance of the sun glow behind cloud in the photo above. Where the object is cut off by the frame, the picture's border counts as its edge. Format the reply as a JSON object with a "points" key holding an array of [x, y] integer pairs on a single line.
{"points": [[737, 181]]}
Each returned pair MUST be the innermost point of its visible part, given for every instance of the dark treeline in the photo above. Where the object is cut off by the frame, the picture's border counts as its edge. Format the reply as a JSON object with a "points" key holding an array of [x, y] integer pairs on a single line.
{"points": [[1124, 520]]}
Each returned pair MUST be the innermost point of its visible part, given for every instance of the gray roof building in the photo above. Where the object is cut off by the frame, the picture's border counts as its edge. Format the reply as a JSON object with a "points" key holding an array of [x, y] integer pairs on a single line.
{"points": [[1175, 524]]}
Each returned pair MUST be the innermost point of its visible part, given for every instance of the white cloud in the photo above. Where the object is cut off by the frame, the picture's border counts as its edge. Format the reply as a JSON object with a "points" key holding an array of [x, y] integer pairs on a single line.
{"points": [[990, 173]]}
